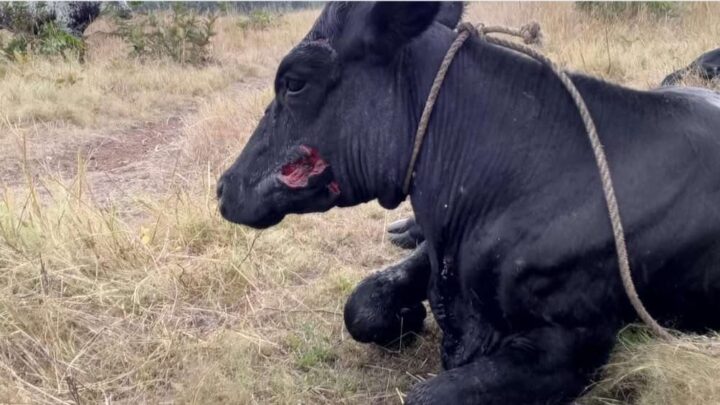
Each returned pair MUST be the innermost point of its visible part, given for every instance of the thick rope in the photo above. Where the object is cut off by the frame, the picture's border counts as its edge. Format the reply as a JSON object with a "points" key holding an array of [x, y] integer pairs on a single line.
{"points": [[531, 34], [430, 103]]}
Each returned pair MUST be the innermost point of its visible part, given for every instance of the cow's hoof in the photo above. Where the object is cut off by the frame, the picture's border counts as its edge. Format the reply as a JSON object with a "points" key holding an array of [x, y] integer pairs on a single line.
{"points": [[388, 326], [436, 391], [405, 233]]}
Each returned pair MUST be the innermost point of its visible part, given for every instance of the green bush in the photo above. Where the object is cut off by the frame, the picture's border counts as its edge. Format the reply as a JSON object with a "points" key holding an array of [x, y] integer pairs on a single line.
{"points": [[48, 41], [627, 9], [17, 17], [183, 37], [54, 41], [260, 20], [34, 33]]}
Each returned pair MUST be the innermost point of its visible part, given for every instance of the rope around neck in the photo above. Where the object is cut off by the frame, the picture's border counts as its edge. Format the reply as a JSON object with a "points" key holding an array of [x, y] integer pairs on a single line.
{"points": [[531, 34]]}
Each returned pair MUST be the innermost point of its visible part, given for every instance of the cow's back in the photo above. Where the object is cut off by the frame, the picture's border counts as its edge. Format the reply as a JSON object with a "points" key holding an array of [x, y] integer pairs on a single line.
{"points": [[665, 164]]}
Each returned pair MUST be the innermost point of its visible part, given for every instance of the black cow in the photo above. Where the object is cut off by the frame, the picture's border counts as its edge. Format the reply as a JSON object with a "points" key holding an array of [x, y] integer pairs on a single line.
{"points": [[707, 67], [518, 262]]}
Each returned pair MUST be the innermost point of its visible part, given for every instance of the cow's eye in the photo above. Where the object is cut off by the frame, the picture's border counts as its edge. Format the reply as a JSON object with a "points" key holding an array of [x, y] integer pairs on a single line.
{"points": [[294, 85]]}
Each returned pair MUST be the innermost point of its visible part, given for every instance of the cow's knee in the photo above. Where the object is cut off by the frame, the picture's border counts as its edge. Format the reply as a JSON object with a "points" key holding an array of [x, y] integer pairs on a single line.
{"points": [[388, 305], [368, 322]]}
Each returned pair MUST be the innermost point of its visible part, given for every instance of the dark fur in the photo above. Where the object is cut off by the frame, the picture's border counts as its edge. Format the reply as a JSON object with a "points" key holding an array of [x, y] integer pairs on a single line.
{"points": [[520, 267], [707, 67], [82, 14], [388, 305]]}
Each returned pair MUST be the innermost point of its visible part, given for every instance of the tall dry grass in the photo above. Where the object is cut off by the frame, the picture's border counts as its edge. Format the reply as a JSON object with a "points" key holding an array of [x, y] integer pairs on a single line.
{"points": [[176, 305], [113, 87], [638, 52]]}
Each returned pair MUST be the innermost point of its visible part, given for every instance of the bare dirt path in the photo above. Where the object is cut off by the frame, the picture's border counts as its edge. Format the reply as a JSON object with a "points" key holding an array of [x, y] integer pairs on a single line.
{"points": [[119, 164]]}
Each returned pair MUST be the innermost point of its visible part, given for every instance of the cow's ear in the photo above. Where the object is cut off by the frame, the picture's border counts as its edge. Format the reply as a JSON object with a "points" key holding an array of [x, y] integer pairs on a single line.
{"points": [[450, 13], [394, 24]]}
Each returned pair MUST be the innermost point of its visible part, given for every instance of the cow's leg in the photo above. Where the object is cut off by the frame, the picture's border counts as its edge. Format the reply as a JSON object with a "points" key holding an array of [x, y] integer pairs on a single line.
{"points": [[545, 366], [388, 304], [405, 233]]}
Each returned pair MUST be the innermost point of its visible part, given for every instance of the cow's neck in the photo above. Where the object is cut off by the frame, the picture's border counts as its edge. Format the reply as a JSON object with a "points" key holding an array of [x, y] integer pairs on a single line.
{"points": [[386, 148], [500, 119], [456, 160]]}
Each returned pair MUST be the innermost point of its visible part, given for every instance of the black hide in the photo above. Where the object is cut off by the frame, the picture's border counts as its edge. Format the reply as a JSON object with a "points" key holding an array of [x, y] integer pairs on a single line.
{"points": [[518, 262], [707, 67]]}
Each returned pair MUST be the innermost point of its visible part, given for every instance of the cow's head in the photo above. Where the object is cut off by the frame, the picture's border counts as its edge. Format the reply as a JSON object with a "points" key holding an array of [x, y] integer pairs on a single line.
{"points": [[339, 130]]}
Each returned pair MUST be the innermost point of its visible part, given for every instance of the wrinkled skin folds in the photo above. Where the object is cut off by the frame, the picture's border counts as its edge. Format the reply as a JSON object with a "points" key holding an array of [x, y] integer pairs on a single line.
{"points": [[513, 246]]}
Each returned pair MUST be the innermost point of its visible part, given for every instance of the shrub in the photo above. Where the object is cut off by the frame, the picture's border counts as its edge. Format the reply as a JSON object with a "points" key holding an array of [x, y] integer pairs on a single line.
{"points": [[50, 40], [34, 31], [259, 20], [625, 9], [18, 18], [53, 41], [183, 37]]}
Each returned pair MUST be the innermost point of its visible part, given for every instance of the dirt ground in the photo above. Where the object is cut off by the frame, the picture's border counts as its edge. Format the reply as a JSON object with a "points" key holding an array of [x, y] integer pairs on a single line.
{"points": [[118, 163]]}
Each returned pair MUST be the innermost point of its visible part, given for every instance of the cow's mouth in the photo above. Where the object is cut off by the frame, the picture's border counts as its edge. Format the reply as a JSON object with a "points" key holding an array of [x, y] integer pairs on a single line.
{"points": [[309, 169]]}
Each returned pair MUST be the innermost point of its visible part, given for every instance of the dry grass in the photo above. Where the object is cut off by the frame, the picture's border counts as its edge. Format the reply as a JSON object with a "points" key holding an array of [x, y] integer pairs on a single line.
{"points": [[648, 372], [113, 88], [637, 53], [176, 305]]}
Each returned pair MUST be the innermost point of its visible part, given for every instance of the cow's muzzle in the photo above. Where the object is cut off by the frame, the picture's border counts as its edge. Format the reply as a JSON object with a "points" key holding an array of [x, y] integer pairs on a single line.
{"points": [[303, 183]]}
